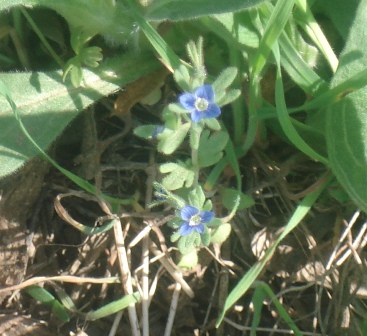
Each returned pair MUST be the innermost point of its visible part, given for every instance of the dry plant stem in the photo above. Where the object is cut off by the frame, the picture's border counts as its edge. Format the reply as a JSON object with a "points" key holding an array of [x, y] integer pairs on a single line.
{"points": [[358, 244], [145, 248], [176, 274], [116, 323], [145, 286], [329, 265], [125, 275], [172, 310], [63, 278]]}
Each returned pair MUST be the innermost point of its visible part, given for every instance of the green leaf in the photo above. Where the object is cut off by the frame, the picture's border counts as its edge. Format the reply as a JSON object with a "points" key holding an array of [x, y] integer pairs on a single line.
{"points": [[341, 12], [188, 9], [91, 56], [179, 174], [221, 233], [224, 80], [96, 17], [211, 147], [188, 261], [182, 77], [346, 120], [197, 197], [187, 244], [212, 123], [171, 141], [42, 295], [113, 307], [229, 197], [234, 28], [145, 131], [229, 97], [46, 104], [205, 236]]}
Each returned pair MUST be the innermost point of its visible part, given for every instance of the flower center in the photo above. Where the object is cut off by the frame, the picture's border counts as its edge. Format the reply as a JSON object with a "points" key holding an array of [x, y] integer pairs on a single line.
{"points": [[201, 104], [195, 220]]}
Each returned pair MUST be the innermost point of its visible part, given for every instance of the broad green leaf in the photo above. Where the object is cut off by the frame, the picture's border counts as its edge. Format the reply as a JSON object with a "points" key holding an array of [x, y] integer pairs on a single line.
{"points": [[346, 125], [234, 28], [188, 9], [341, 13], [46, 104], [211, 147], [113, 307], [96, 17]]}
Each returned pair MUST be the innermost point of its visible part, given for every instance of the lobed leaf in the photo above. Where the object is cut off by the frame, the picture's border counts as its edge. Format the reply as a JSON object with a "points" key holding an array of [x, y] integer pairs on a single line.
{"points": [[211, 147]]}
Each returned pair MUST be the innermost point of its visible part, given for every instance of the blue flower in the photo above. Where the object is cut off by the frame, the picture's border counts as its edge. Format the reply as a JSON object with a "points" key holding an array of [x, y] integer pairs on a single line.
{"points": [[193, 220], [200, 103]]}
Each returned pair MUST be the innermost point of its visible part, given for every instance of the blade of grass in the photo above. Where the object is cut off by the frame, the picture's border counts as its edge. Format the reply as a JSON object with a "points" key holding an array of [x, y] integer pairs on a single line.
{"points": [[261, 292], [274, 27], [245, 283], [163, 49], [113, 307], [285, 120], [308, 23]]}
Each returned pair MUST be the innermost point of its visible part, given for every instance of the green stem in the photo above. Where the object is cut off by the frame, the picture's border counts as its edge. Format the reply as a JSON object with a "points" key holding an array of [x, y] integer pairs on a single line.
{"points": [[194, 158], [238, 106]]}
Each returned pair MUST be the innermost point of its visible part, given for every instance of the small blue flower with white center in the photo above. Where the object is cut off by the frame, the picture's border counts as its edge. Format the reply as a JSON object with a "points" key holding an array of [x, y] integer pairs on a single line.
{"points": [[200, 103], [194, 220]]}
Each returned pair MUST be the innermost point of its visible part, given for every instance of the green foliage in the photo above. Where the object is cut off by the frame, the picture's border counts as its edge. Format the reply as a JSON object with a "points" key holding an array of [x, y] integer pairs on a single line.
{"points": [[211, 147], [113, 307], [188, 9], [221, 233], [346, 120], [89, 56], [229, 197], [46, 104], [42, 295], [179, 174], [95, 16]]}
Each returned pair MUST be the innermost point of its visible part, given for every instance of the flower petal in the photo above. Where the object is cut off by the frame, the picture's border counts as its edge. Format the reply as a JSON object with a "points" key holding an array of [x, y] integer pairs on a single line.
{"points": [[212, 111], [199, 228], [205, 91], [196, 116], [188, 211], [206, 216], [185, 229], [187, 100]]}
